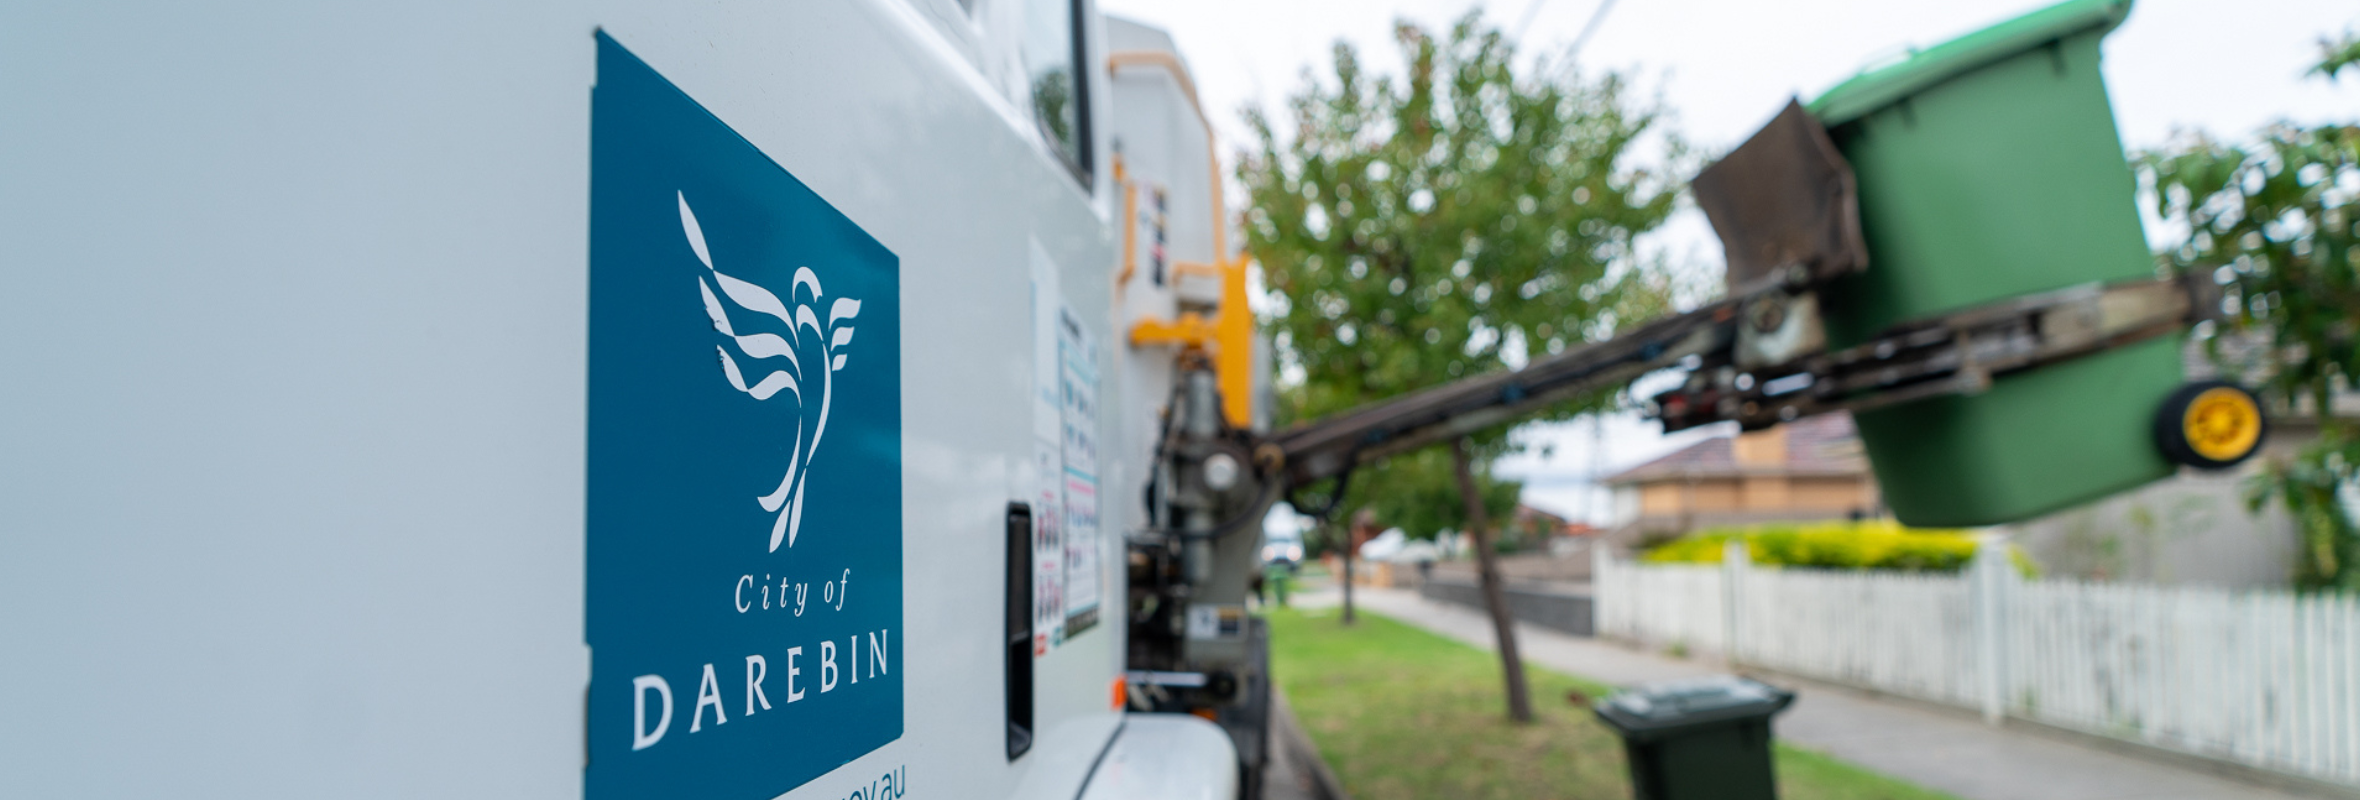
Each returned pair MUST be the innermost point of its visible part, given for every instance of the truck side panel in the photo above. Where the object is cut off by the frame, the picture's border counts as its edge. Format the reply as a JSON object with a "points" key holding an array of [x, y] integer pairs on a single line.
{"points": [[293, 317]]}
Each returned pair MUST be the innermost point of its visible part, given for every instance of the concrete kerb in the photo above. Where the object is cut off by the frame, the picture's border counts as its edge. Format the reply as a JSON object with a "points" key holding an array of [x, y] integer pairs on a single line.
{"points": [[1311, 777]]}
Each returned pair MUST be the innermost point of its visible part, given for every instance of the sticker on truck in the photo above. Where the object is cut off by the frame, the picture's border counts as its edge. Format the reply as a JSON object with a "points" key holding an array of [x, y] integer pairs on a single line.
{"points": [[744, 527]]}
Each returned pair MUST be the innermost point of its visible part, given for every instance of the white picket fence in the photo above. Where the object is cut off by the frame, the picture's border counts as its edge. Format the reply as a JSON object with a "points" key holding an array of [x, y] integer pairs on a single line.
{"points": [[2269, 679]]}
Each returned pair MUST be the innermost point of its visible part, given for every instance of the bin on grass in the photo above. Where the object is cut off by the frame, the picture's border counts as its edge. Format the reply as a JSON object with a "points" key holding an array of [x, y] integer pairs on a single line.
{"points": [[1989, 167], [1698, 739]]}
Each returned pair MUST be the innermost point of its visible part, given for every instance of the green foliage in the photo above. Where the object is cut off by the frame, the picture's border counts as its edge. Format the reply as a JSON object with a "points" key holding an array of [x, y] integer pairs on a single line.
{"points": [[2336, 54], [1449, 222], [1418, 493], [2309, 485], [1399, 712], [1874, 544], [2276, 221], [1526, 534], [1417, 232]]}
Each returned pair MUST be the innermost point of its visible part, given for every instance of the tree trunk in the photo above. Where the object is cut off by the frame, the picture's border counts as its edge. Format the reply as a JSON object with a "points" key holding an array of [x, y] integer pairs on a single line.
{"points": [[1348, 553], [1487, 571]]}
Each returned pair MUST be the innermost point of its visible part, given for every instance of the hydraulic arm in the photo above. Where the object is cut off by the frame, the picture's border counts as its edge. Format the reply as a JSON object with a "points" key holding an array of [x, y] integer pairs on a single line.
{"points": [[1955, 353]]}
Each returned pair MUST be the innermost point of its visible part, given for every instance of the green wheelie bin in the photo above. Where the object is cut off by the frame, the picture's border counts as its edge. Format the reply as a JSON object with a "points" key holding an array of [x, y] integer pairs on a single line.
{"points": [[1698, 739], [1989, 167]]}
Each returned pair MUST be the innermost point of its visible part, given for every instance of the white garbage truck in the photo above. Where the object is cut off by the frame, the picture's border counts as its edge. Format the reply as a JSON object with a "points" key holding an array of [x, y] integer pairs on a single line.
{"points": [[828, 399], [606, 399]]}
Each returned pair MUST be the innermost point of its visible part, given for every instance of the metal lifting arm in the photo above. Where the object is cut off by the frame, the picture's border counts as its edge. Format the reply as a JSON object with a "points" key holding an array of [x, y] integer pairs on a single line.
{"points": [[1329, 447], [1956, 353]]}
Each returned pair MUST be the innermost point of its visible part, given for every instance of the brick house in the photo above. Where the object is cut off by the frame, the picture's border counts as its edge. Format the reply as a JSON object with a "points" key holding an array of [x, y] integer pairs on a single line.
{"points": [[1809, 469]]}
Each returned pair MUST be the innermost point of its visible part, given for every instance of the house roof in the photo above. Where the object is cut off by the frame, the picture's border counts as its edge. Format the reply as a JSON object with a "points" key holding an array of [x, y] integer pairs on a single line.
{"points": [[1530, 512], [1827, 445]]}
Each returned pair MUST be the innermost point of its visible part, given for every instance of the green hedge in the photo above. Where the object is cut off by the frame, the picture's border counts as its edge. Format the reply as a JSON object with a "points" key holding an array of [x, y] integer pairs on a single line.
{"points": [[1872, 544]]}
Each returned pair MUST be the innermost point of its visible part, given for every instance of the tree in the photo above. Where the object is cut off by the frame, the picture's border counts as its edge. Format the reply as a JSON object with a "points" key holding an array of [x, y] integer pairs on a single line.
{"points": [[1419, 493], [1457, 221], [2276, 221]]}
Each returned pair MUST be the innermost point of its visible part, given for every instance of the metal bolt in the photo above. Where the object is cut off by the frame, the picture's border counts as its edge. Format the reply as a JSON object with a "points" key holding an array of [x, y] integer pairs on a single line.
{"points": [[1220, 472]]}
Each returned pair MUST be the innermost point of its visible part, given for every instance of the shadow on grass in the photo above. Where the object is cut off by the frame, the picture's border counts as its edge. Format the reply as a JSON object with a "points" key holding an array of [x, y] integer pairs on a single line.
{"points": [[1400, 713]]}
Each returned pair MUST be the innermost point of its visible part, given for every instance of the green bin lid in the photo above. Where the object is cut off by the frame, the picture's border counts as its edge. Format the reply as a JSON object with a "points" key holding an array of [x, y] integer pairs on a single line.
{"points": [[1670, 706], [1883, 86]]}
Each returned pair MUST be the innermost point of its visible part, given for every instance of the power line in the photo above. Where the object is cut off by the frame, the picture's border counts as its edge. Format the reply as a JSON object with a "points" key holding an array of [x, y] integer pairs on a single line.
{"points": [[1596, 17], [1529, 12]]}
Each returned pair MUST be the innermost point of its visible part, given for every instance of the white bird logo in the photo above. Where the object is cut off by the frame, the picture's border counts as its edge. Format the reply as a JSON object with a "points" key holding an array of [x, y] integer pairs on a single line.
{"points": [[831, 339]]}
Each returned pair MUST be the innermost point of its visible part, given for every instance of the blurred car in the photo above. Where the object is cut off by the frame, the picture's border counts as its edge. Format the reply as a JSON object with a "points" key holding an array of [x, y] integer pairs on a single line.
{"points": [[1282, 547], [1395, 547]]}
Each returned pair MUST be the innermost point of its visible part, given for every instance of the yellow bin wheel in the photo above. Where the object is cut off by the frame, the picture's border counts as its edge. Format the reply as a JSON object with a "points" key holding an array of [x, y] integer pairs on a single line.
{"points": [[2210, 425]]}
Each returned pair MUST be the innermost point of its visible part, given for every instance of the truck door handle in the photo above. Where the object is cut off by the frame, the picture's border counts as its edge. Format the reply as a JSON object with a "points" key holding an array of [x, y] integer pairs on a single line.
{"points": [[1019, 662]]}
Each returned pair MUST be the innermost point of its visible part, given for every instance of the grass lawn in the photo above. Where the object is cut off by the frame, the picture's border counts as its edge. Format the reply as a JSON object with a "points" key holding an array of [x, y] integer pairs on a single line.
{"points": [[1402, 713]]}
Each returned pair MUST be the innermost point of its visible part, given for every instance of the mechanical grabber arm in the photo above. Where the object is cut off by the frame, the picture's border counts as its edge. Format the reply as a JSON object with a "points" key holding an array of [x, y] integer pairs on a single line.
{"points": [[1784, 205], [1957, 353]]}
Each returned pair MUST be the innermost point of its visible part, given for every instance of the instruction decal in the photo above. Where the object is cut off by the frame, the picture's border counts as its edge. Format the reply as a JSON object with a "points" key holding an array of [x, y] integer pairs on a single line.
{"points": [[1048, 467], [1077, 387], [1068, 545]]}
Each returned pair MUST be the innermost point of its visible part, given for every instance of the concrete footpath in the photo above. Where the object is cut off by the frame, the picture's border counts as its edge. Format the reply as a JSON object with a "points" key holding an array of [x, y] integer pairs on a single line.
{"points": [[1935, 748]]}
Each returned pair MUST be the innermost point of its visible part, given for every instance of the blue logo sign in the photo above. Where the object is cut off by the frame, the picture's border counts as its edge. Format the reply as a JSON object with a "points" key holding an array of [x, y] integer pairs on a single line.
{"points": [[744, 488]]}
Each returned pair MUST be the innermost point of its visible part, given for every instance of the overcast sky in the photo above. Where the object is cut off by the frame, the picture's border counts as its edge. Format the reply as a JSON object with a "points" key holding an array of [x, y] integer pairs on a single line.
{"points": [[1722, 67]]}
